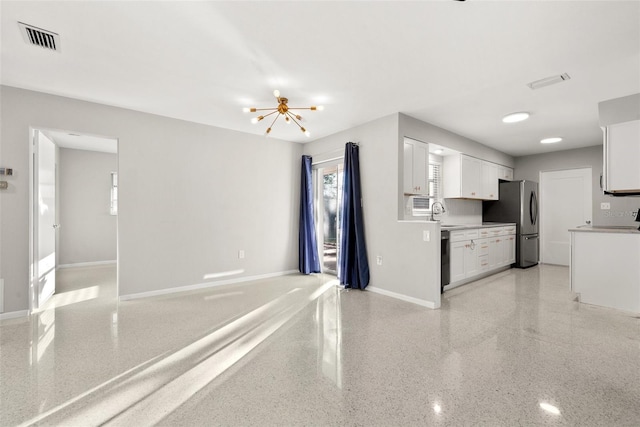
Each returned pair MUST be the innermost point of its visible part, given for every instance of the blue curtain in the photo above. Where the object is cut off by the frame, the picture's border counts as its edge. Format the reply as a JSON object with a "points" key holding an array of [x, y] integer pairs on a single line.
{"points": [[353, 264], [308, 260]]}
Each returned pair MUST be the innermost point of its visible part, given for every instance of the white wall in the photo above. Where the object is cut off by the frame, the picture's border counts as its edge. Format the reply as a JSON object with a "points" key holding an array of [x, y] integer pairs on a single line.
{"points": [[88, 230], [622, 208], [411, 267], [190, 195]]}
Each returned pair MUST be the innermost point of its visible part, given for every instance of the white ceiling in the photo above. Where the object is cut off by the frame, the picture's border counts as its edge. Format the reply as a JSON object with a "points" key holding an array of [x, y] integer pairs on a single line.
{"points": [[458, 65]]}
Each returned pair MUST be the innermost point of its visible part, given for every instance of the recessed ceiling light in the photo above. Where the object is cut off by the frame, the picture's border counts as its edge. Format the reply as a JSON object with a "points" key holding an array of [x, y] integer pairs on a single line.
{"points": [[515, 117], [551, 140]]}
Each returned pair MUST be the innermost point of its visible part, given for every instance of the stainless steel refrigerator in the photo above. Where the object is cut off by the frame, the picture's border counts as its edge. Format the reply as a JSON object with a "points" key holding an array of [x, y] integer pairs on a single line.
{"points": [[518, 202]]}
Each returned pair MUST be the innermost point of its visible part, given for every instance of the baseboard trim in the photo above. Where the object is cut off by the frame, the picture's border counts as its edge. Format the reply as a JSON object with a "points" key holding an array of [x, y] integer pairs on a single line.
{"points": [[14, 314], [87, 264], [205, 285], [422, 302]]}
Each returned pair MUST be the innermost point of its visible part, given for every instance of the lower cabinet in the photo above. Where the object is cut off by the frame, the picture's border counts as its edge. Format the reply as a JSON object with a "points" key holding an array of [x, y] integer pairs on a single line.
{"points": [[472, 254]]}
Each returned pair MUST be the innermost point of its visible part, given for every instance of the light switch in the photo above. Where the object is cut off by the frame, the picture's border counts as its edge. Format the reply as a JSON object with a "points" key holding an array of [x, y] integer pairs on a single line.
{"points": [[379, 260], [426, 235], [605, 206], [241, 254]]}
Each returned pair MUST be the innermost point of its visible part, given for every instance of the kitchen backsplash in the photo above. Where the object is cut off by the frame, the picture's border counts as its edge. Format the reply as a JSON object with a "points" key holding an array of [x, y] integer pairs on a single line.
{"points": [[461, 211]]}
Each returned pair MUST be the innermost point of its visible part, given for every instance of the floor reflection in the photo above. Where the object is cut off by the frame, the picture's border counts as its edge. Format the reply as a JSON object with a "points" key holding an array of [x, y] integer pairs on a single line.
{"points": [[329, 330]]}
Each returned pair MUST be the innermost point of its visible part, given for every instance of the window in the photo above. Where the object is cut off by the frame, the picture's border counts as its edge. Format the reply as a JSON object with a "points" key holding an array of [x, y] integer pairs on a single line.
{"points": [[114, 193], [435, 182]]}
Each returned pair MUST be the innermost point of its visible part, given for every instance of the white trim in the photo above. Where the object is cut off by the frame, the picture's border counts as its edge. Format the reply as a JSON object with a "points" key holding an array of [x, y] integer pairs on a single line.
{"points": [[87, 264], [14, 314], [422, 302], [203, 285]]}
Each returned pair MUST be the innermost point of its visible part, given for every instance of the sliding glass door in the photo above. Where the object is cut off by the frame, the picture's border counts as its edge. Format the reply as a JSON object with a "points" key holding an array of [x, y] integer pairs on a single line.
{"points": [[328, 200]]}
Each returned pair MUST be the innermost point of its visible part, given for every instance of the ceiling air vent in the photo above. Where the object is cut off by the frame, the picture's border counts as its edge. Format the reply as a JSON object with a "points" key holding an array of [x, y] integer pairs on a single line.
{"points": [[40, 37], [549, 81]]}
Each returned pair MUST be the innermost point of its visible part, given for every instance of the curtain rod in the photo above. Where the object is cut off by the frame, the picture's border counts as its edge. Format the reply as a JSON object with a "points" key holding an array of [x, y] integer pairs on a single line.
{"points": [[326, 161], [333, 158]]}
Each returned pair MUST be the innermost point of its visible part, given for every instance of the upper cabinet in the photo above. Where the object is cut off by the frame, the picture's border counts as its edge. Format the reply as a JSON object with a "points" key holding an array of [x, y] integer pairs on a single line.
{"points": [[462, 177], [621, 174], [490, 183], [465, 177], [505, 173], [416, 167], [620, 120]]}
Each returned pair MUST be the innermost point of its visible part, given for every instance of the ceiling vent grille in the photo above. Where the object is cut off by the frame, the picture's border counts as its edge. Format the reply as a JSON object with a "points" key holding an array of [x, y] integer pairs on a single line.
{"points": [[40, 37], [549, 81]]}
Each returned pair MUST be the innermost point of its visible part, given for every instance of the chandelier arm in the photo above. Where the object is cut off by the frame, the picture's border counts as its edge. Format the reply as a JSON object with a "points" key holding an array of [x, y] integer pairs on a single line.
{"points": [[301, 108], [264, 109], [274, 120], [294, 119]]}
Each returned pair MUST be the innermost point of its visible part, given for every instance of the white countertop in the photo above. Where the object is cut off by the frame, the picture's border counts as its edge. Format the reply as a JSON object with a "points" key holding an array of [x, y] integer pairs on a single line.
{"points": [[606, 229], [472, 226]]}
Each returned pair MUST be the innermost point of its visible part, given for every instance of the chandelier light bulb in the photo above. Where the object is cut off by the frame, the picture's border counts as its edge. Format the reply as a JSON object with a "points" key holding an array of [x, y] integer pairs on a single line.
{"points": [[307, 133], [287, 120], [276, 93], [246, 109], [254, 120]]}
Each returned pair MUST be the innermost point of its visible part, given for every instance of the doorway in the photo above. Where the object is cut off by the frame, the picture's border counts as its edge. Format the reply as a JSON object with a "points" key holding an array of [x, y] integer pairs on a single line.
{"points": [[73, 219], [565, 202], [328, 197]]}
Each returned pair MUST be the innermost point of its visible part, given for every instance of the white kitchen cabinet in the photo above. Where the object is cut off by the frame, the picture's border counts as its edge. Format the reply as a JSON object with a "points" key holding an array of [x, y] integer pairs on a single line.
{"points": [[474, 252], [464, 254], [416, 167], [490, 183], [462, 177], [622, 158], [510, 246], [463, 260], [456, 261], [505, 173], [612, 277]]}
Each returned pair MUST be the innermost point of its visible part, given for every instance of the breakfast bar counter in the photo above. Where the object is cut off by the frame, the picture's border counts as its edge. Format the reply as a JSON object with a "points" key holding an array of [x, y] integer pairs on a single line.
{"points": [[605, 266]]}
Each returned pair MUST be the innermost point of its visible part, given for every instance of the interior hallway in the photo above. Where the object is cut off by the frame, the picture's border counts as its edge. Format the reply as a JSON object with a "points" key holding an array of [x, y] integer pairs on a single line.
{"points": [[505, 350]]}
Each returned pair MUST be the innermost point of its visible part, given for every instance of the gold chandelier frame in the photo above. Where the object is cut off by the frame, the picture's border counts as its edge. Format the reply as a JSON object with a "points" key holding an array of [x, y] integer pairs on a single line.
{"points": [[282, 109]]}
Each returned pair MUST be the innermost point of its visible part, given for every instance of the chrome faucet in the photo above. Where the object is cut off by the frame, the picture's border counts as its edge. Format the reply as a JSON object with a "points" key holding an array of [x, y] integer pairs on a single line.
{"points": [[433, 209]]}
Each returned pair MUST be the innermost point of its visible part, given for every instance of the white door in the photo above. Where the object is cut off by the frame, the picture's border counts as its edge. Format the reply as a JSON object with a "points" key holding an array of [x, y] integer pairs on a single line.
{"points": [[565, 202], [44, 245]]}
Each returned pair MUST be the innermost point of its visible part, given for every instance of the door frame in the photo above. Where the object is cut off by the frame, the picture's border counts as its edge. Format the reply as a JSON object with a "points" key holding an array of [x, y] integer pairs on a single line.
{"points": [[34, 305], [34, 178], [541, 202], [318, 188]]}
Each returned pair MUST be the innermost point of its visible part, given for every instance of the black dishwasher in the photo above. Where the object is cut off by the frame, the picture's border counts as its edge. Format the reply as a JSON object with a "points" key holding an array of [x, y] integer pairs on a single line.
{"points": [[445, 268]]}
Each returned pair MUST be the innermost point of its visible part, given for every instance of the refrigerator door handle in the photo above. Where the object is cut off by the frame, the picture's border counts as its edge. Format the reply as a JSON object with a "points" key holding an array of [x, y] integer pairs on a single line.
{"points": [[535, 204], [531, 208]]}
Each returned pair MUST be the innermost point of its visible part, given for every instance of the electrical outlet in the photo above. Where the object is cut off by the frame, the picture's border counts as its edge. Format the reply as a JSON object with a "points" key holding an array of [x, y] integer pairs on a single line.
{"points": [[605, 206], [426, 235], [379, 260], [241, 254]]}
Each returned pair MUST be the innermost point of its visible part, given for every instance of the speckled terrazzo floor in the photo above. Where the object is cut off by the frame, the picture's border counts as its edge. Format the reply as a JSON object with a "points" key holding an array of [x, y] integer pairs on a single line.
{"points": [[511, 349]]}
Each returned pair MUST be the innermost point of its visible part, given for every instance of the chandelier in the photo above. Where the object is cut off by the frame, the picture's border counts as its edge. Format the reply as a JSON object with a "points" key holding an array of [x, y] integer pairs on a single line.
{"points": [[282, 110]]}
